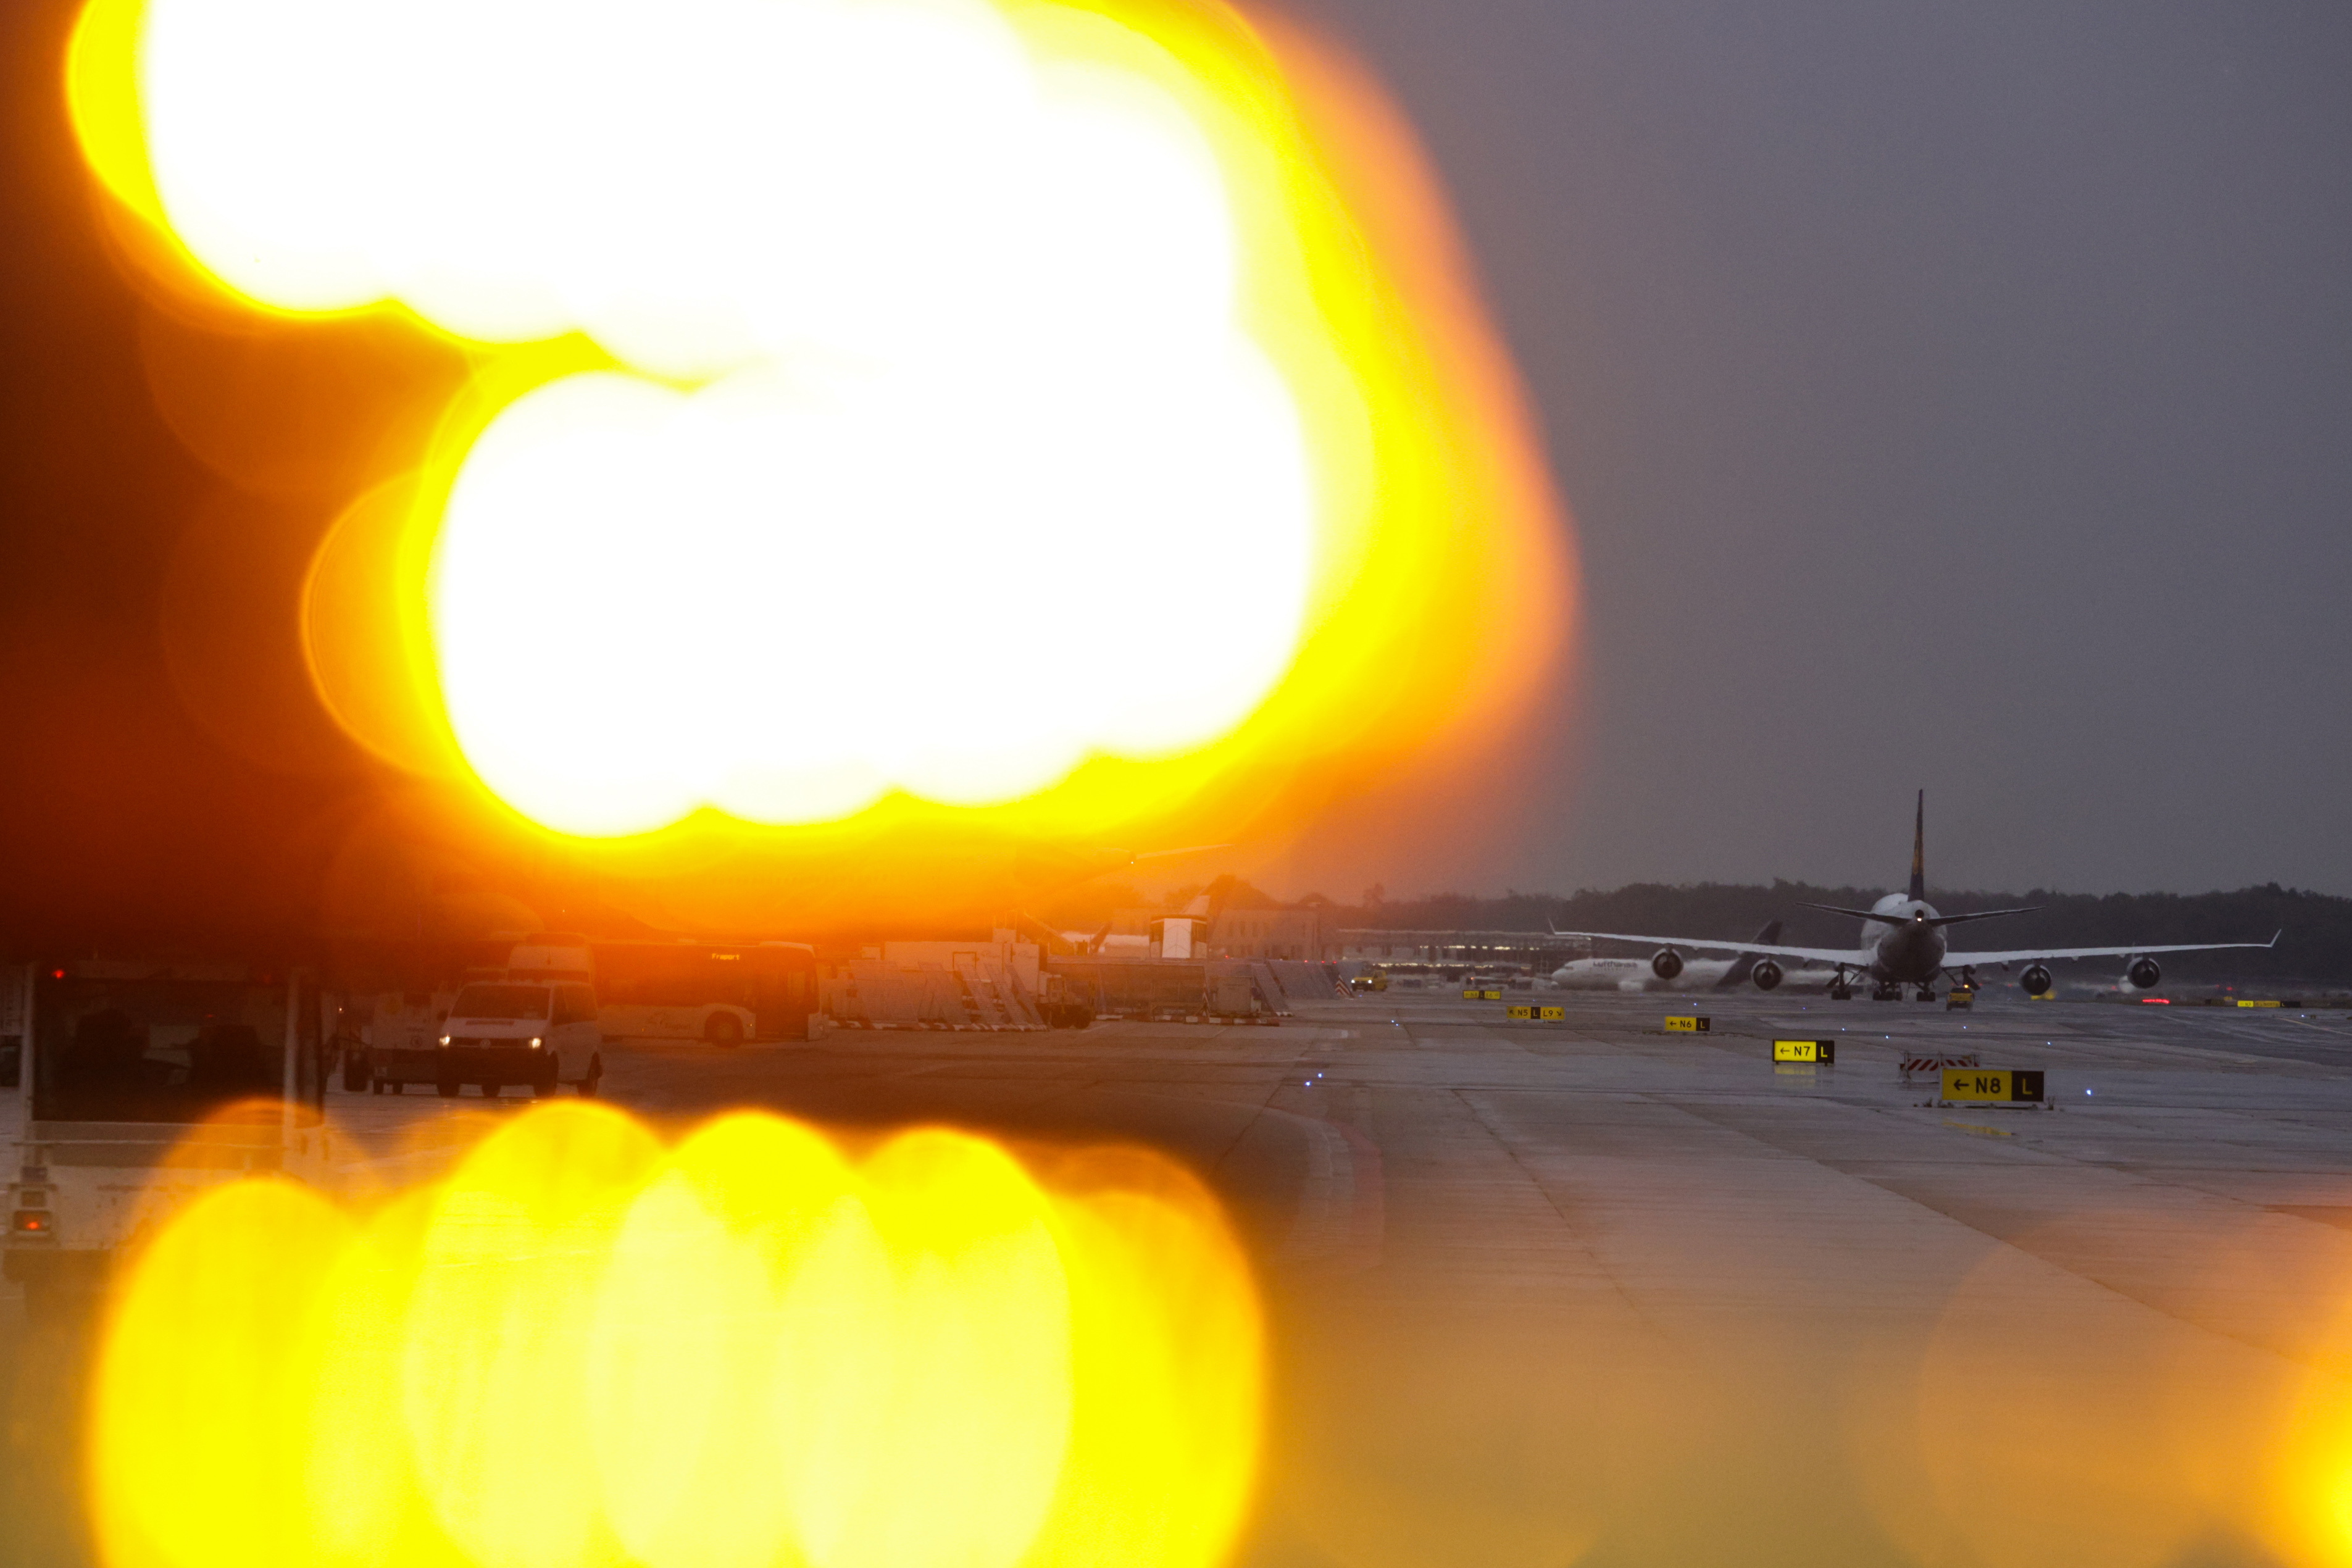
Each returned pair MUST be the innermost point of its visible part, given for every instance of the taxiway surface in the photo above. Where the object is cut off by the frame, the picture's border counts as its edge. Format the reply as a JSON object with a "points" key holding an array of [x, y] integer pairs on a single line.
{"points": [[1590, 1293]]}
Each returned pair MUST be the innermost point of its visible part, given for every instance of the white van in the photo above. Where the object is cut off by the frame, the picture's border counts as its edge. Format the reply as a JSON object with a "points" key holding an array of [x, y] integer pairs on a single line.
{"points": [[499, 1032]]}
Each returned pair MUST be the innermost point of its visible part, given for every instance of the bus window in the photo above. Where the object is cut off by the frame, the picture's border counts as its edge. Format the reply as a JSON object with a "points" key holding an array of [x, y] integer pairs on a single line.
{"points": [[669, 977], [152, 1050], [674, 990], [229, 1061]]}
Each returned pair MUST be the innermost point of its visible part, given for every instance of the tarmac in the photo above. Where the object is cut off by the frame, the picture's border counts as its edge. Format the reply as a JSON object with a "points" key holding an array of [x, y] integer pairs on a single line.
{"points": [[1586, 1292]]}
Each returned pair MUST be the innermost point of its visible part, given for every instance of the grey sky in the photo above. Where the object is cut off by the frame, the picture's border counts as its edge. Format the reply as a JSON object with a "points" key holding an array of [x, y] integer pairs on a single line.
{"points": [[1948, 394]]}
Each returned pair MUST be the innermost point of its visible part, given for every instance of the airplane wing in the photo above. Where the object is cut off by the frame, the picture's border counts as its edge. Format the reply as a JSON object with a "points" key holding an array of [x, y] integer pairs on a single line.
{"points": [[1847, 956], [2027, 954], [1938, 921], [1446, 938]]}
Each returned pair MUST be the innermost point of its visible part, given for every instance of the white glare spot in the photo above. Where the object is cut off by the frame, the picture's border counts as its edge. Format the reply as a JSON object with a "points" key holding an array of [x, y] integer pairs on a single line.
{"points": [[973, 408]]}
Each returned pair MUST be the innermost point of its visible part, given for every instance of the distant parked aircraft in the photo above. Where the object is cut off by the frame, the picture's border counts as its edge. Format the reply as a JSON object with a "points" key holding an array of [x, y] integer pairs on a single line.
{"points": [[1902, 944]]}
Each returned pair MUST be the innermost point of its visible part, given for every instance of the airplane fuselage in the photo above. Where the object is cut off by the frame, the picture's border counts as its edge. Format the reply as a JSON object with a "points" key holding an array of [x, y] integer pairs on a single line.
{"points": [[1905, 949]]}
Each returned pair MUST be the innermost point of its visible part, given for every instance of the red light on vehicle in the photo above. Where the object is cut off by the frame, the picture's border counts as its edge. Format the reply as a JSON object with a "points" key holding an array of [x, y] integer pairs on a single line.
{"points": [[32, 1222], [57, 974]]}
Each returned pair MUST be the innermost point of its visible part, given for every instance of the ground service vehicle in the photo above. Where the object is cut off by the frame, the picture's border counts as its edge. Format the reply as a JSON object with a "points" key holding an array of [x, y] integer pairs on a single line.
{"points": [[398, 1042], [722, 992], [131, 1087], [522, 1032]]}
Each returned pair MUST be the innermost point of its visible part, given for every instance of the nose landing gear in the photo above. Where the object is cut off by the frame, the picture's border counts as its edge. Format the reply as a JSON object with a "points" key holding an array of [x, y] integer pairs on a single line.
{"points": [[1886, 991]]}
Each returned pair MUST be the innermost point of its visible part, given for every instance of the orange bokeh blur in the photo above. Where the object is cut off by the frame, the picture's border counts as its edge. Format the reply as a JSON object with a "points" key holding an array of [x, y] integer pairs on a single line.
{"points": [[1244, 512], [750, 1348]]}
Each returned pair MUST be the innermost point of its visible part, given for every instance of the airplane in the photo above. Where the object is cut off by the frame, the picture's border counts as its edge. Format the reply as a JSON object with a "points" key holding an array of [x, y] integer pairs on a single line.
{"points": [[1664, 971], [1902, 944]]}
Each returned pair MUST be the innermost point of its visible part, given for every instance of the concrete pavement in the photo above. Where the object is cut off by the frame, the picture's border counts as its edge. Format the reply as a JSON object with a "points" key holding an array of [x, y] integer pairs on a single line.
{"points": [[1591, 1292]]}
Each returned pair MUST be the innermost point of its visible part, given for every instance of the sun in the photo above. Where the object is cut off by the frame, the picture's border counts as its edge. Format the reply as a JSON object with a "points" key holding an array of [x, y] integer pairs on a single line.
{"points": [[993, 406]]}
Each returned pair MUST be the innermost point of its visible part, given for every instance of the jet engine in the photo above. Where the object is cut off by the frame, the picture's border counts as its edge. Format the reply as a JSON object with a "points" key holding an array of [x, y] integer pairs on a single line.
{"points": [[2036, 980], [1767, 974], [2143, 973], [1665, 963]]}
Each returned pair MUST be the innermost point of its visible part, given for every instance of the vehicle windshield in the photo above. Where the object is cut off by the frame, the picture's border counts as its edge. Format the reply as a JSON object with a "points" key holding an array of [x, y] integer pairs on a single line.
{"points": [[155, 1050], [513, 1003]]}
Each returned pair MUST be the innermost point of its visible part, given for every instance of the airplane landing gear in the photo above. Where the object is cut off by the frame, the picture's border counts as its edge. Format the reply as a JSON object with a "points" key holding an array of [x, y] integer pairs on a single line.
{"points": [[1886, 991], [1841, 992], [1925, 994]]}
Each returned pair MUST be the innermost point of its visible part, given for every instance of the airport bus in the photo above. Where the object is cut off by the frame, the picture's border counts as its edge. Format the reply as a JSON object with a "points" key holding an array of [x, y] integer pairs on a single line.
{"points": [[721, 993], [128, 1089]]}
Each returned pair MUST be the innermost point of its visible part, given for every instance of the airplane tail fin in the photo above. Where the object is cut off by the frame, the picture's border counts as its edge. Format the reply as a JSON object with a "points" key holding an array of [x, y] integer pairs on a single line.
{"points": [[1919, 849], [1743, 964]]}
